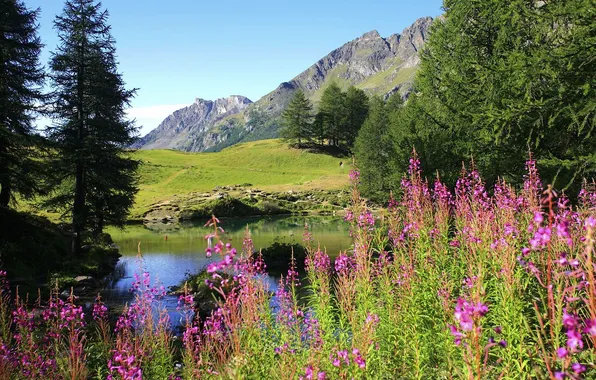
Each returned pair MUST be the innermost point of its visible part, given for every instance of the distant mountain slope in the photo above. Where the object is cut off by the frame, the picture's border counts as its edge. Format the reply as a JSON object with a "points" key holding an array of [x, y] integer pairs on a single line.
{"points": [[375, 64], [192, 128]]}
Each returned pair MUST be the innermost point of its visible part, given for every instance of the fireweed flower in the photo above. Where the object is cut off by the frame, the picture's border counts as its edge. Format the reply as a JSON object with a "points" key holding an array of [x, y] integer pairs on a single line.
{"points": [[319, 262], [372, 319], [590, 327], [466, 313], [343, 263], [309, 374], [354, 176], [578, 368], [100, 311], [358, 359]]}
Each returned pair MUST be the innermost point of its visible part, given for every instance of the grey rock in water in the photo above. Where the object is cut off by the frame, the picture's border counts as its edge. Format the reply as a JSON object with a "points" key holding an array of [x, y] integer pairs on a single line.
{"points": [[378, 65]]}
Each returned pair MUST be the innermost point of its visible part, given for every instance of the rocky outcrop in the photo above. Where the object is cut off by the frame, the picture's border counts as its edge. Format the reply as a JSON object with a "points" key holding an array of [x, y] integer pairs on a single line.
{"points": [[378, 65]]}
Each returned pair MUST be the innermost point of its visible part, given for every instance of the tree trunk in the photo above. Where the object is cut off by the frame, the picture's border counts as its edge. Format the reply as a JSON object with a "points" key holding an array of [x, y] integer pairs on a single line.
{"points": [[5, 193], [78, 210]]}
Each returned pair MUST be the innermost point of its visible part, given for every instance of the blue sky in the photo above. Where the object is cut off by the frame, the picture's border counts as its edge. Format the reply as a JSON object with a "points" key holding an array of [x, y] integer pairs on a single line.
{"points": [[175, 51]]}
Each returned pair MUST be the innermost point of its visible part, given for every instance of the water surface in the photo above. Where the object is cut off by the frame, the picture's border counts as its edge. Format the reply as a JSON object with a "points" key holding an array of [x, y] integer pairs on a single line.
{"points": [[170, 252]]}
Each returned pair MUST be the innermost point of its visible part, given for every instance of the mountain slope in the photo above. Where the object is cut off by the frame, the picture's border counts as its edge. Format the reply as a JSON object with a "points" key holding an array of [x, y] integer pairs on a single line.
{"points": [[192, 128], [378, 65]]}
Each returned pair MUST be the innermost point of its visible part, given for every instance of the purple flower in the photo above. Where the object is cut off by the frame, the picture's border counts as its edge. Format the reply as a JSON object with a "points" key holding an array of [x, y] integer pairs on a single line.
{"points": [[574, 340], [578, 368], [570, 321], [590, 327], [562, 352], [343, 263]]}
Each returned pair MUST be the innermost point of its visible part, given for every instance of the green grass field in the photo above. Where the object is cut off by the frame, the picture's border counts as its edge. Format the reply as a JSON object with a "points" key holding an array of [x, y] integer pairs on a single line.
{"points": [[266, 164]]}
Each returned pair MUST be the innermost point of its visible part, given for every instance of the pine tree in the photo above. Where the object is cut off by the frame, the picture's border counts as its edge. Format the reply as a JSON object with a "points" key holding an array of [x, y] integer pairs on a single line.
{"points": [[297, 118], [356, 108], [21, 78], [97, 182], [333, 113]]}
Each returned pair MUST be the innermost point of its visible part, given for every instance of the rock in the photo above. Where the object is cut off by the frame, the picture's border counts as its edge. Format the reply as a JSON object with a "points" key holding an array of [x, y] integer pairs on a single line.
{"points": [[81, 279]]}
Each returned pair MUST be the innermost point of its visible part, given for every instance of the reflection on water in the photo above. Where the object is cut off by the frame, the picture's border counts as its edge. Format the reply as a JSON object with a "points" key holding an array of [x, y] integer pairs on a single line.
{"points": [[170, 253]]}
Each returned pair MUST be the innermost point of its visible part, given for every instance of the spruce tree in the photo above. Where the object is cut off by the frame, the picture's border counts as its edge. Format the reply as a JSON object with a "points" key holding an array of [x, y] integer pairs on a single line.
{"points": [[356, 108], [297, 119], [21, 78], [90, 133]]}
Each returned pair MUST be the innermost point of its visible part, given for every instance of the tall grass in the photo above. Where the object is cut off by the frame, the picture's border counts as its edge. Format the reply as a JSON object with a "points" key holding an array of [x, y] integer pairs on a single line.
{"points": [[468, 284]]}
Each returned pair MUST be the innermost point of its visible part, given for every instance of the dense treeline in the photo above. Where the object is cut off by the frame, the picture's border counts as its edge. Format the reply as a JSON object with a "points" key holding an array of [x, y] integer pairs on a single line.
{"points": [[85, 171], [498, 79], [339, 117]]}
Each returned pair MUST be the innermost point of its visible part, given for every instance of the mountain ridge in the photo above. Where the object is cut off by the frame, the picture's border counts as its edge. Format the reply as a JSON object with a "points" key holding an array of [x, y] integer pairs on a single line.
{"points": [[378, 65]]}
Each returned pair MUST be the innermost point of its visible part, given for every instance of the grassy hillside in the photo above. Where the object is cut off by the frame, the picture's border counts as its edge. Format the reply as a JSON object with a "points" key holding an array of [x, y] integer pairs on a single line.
{"points": [[266, 164]]}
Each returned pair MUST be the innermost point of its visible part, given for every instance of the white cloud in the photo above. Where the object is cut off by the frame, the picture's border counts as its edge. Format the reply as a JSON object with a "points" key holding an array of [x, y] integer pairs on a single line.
{"points": [[148, 118]]}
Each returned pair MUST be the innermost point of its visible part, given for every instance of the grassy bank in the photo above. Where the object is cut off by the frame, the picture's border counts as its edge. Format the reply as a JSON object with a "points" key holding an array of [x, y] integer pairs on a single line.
{"points": [[267, 165]]}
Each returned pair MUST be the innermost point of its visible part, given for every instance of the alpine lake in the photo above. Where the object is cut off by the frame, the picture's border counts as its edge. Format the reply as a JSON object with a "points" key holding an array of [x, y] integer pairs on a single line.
{"points": [[171, 252]]}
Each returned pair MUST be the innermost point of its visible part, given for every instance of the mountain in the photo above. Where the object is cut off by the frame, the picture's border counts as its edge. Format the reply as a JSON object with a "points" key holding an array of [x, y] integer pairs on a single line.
{"points": [[192, 128], [375, 64]]}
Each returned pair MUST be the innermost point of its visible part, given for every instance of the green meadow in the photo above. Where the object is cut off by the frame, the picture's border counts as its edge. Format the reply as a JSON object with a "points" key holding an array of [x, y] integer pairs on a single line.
{"points": [[268, 165]]}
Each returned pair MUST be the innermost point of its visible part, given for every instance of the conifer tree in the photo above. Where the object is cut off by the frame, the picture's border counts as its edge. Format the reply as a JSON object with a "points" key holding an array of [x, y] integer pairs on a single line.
{"points": [[374, 152], [21, 78], [333, 113], [297, 118], [501, 78], [97, 182], [356, 109]]}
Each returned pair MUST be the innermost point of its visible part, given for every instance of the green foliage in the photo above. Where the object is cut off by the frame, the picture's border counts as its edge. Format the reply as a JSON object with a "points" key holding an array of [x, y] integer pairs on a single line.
{"points": [[339, 118], [95, 180], [374, 151], [333, 110], [500, 79], [21, 78], [278, 256], [297, 118], [356, 108], [30, 246]]}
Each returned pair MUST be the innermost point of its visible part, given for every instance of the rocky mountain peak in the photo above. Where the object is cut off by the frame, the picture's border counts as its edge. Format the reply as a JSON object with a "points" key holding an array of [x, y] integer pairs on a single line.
{"points": [[373, 34], [411, 40]]}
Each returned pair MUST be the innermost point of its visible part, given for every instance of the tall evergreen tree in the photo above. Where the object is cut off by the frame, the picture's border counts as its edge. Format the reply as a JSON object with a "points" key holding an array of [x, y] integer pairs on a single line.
{"points": [[356, 108], [21, 78], [374, 153], [297, 118], [97, 182], [501, 78], [333, 113]]}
